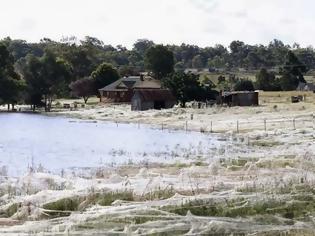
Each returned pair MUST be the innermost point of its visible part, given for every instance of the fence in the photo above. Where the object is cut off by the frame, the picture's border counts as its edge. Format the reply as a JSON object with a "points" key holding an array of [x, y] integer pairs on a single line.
{"points": [[238, 126]]}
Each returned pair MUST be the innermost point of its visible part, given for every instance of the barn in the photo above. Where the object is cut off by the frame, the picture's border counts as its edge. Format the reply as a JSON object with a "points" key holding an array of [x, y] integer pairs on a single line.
{"points": [[146, 99], [239, 98]]}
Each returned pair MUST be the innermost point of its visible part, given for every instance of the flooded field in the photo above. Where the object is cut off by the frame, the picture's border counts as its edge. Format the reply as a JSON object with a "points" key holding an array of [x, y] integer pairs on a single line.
{"points": [[75, 177], [56, 143]]}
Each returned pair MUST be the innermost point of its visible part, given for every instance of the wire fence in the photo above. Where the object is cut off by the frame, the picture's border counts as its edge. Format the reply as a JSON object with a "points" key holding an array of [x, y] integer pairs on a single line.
{"points": [[238, 126], [190, 123]]}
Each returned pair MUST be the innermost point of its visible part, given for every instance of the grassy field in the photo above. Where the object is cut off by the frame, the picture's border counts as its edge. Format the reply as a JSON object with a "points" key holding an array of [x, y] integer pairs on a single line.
{"points": [[250, 76], [285, 97]]}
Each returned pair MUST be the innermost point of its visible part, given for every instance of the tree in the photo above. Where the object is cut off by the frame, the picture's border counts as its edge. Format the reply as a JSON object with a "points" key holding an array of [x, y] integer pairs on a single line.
{"points": [[244, 85], [239, 51], [197, 62], [32, 73], [83, 88], [217, 62], [294, 67], [288, 82], [142, 45], [179, 66], [10, 82], [292, 72], [185, 87], [267, 81], [127, 71], [159, 60], [104, 75], [46, 78]]}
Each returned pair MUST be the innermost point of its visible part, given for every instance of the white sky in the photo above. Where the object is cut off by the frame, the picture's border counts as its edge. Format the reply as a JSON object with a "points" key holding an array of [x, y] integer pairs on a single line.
{"points": [[200, 22]]}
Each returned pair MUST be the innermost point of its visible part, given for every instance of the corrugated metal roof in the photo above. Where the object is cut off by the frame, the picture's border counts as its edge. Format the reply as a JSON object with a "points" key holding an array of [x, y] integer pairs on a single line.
{"points": [[155, 94], [224, 94]]}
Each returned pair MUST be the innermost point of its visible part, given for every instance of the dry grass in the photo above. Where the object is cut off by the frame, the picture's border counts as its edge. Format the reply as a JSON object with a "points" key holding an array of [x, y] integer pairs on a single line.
{"points": [[285, 97]]}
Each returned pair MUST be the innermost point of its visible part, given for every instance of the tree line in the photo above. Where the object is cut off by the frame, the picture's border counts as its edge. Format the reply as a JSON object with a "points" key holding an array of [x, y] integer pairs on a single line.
{"points": [[36, 73]]}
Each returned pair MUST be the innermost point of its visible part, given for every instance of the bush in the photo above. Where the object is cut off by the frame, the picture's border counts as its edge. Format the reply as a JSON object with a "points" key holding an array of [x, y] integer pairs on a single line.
{"points": [[244, 85]]}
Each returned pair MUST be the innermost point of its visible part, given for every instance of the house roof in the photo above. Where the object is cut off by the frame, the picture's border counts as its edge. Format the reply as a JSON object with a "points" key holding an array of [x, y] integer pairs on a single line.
{"points": [[155, 94], [132, 82]]}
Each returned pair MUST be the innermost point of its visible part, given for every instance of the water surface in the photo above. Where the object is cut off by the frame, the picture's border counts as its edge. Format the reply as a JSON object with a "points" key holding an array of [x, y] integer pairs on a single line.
{"points": [[57, 143]]}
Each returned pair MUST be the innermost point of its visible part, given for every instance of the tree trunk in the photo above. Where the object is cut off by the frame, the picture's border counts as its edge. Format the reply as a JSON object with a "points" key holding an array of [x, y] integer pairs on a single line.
{"points": [[45, 103], [8, 107], [85, 99], [50, 99]]}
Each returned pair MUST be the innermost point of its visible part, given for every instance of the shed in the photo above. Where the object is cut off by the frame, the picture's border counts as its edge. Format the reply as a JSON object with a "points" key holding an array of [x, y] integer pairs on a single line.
{"points": [[306, 87], [240, 98], [146, 99]]}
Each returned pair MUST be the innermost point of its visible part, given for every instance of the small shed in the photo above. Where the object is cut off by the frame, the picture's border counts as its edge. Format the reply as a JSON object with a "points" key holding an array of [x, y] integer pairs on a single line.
{"points": [[306, 87], [240, 98], [146, 99]]}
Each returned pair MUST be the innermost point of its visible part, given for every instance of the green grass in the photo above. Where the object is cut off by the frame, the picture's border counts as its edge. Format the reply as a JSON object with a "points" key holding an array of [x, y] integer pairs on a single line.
{"points": [[10, 211], [294, 209]]}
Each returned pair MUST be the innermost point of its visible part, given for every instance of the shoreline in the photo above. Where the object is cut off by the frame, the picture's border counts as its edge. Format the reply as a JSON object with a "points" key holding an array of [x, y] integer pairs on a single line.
{"points": [[242, 177]]}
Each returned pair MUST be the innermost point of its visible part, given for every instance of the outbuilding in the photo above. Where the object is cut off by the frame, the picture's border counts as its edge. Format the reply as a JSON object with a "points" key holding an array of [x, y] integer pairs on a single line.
{"points": [[239, 98], [306, 87], [146, 99]]}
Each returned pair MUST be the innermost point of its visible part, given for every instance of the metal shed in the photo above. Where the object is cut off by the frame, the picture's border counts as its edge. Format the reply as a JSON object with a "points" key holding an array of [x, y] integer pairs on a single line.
{"points": [[146, 99], [240, 98]]}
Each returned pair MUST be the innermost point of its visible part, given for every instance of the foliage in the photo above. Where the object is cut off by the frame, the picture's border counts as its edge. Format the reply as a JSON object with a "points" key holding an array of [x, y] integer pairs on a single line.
{"points": [[83, 88], [104, 75], [186, 87], [159, 60], [73, 60], [292, 72], [198, 62], [244, 85], [45, 77], [10, 82], [288, 82], [267, 81]]}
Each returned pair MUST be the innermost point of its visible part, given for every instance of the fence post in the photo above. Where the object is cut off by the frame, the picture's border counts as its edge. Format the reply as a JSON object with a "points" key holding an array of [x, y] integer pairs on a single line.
{"points": [[186, 126], [265, 124], [211, 130], [313, 121]]}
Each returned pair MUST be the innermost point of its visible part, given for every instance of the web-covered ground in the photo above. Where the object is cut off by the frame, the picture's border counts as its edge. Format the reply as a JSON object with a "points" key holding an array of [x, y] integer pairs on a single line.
{"points": [[258, 183]]}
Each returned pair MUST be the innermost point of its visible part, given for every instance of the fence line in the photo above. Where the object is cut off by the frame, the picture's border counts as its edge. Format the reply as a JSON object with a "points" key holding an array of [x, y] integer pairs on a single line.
{"points": [[243, 125], [238, 126]]}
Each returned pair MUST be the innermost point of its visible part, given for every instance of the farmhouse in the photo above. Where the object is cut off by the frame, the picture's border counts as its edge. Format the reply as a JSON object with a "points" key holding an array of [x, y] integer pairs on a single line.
{"points": [[145, 99], [121, 91], [239, 98]]}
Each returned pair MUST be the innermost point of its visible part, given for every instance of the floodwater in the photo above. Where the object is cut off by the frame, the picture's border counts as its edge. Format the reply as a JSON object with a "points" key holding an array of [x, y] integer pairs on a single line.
{"points": [[56, 143]]}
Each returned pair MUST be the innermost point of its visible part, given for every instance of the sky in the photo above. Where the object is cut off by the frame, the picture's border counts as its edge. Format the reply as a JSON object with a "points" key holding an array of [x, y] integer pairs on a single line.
{"points": [[199, 22]]}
